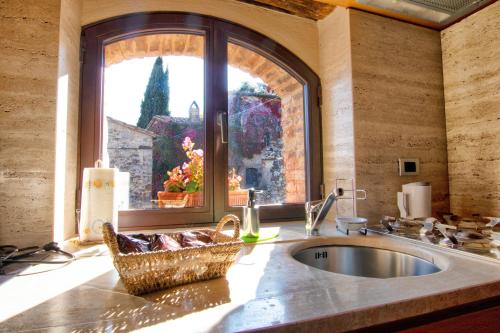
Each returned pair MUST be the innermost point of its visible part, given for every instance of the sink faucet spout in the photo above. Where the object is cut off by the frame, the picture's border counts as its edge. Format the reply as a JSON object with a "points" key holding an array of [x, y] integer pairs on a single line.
{"points": [[316, 211]]}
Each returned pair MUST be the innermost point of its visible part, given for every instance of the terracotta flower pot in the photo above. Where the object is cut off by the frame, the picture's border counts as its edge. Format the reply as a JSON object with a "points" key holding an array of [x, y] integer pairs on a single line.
{"points": [[176, 199], [238, 198]]}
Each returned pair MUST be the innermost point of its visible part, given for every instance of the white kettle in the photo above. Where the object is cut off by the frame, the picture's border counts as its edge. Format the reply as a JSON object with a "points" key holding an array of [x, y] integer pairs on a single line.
{"points": [[415, 200]]}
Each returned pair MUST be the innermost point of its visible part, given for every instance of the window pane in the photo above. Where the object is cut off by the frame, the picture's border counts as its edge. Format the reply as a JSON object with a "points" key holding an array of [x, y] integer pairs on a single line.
{"points": [[266, 130], [154, 129]]}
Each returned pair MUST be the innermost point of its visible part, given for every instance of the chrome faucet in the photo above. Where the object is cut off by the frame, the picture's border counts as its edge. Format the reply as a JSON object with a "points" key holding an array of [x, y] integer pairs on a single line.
{"points": [[316, 211]]}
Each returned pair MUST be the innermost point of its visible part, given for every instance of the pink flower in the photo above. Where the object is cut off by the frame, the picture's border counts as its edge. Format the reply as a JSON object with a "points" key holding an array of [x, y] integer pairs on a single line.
{"points": [[198, 152], [189, 177], [187, 144]]}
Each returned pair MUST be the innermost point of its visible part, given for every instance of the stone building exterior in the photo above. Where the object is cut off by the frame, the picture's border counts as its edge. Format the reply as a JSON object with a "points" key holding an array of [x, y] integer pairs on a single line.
{"points": [[256, 144], [130, 149]]}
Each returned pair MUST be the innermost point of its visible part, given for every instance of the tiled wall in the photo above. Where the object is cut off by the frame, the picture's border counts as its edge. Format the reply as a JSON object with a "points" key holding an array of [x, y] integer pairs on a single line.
{"points": [[471, 63], [29, 33]]}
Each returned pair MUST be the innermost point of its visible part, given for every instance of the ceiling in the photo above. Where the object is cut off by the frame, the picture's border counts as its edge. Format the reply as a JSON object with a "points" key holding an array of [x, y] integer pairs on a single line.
{"points": [[310, 9], [436, 14]]}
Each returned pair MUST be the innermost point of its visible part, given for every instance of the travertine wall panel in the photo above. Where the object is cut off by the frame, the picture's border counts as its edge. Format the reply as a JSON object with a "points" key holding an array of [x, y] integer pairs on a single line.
{"points": [[29, 33], [398, 110], [297, 34], [337, 109], [67, 119], [471, 65]]}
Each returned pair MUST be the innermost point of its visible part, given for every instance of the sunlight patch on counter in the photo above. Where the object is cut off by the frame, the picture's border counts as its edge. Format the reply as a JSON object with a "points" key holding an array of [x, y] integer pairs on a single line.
{"points": [[29, 290]]}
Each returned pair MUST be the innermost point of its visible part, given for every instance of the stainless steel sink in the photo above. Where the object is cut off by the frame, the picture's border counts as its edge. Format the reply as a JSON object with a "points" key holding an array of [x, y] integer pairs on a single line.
{"points": [[365, 261]]}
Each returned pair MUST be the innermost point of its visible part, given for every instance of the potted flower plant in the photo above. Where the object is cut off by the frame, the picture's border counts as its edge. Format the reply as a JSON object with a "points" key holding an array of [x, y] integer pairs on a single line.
{"points": [[184, 186], [186, 180]]}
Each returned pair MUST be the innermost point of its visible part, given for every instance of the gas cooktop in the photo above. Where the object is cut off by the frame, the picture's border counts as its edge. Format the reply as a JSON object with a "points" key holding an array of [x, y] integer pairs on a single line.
{"points": [[477, 235]]}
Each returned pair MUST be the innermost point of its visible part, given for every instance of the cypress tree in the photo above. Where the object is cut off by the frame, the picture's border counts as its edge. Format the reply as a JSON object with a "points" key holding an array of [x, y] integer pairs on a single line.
{"points": [[156, 96]]}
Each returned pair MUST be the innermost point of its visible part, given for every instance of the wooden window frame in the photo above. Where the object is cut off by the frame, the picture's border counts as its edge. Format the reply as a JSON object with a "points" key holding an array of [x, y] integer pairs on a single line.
{"points": [[217, 33]]}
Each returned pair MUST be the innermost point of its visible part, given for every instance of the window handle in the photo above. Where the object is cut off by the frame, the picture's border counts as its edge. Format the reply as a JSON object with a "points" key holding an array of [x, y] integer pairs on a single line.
{"points": [[222, 121]]}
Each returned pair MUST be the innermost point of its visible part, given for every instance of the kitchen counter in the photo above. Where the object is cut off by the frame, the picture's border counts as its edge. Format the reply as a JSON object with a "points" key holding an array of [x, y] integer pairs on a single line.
{"points": [[266, 288]]}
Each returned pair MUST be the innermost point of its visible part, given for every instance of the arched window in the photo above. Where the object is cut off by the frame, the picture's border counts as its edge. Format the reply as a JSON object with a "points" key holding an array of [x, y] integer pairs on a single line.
{"points": [[190, 108]]}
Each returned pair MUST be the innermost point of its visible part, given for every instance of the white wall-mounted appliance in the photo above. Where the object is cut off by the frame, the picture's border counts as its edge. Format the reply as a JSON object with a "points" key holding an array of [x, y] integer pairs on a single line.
{"points": [[415, 200]]}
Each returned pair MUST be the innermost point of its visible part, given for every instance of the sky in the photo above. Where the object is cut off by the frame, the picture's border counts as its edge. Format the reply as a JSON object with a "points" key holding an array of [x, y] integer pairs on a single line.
{"points": [[125, 84]]}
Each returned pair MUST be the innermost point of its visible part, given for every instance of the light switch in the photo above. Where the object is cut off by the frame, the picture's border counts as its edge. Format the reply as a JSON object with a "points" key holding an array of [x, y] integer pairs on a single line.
{"points": [[409, 166]]}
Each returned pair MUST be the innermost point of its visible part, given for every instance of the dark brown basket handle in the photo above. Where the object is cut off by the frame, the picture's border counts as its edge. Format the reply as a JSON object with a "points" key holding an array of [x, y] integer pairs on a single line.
{"points": [[236, 226], [109, 236]]}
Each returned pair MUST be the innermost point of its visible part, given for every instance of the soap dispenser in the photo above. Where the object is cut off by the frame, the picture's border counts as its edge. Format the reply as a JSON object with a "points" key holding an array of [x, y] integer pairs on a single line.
{"points": [[251, 221]]}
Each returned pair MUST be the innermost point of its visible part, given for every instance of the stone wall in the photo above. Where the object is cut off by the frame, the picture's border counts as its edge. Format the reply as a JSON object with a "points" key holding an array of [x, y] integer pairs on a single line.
{"points": [[471, 64], [130, 149], [29, 35]]}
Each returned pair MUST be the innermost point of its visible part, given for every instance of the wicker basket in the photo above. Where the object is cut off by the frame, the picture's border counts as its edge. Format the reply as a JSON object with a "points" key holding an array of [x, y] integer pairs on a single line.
{"points": [[149, 271]]}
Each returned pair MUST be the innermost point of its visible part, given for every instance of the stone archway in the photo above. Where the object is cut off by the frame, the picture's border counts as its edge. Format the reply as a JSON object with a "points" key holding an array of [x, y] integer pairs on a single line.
{"points": [[280, 81]]}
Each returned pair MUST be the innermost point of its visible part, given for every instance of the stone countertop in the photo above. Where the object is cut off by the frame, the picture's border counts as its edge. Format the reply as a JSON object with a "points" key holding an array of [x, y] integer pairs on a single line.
{"points": [[265, 288]]}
